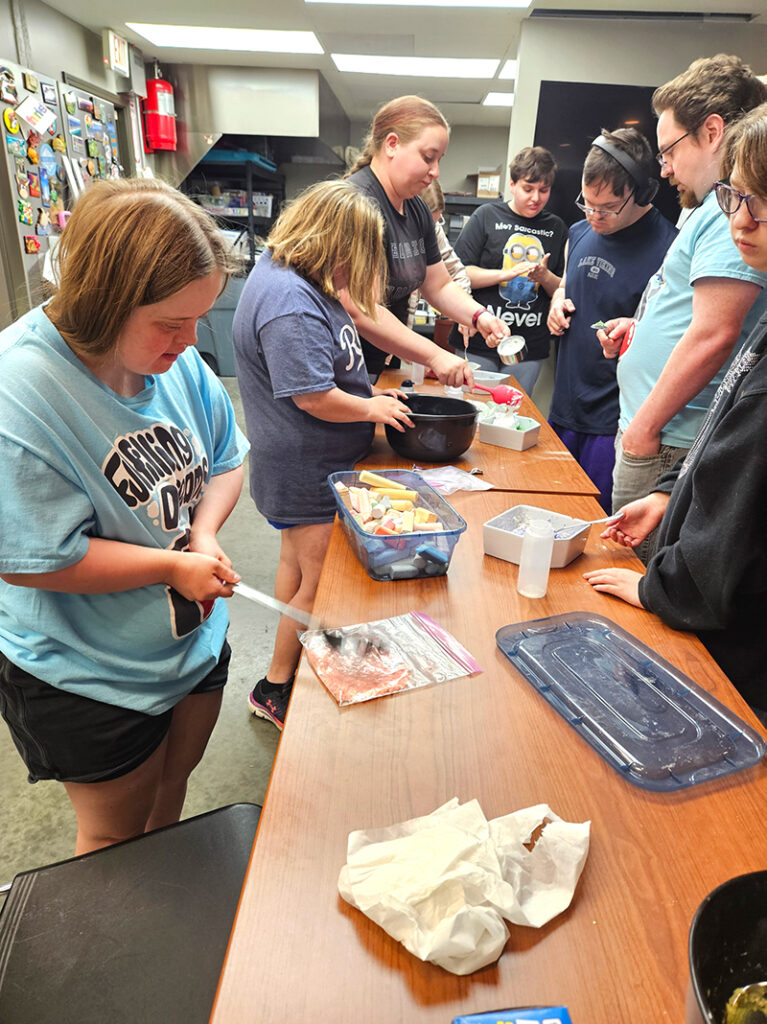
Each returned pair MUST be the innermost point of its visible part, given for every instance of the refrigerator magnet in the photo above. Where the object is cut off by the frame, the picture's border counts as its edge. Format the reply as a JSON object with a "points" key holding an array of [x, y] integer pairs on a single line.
{"points": [[45, 187], [70, 102], [43, 226], [11, 121], [93, 148], [22, 187], [102, 167], [75, 127], [86, 104], [48, 160], [52, 127], [58, 144], [31, 82], [34, 184], [32, 244], [25, 212], [90, 166], [17, 147], [8, 91], [32, 155], [61, 173], [49, 93]]}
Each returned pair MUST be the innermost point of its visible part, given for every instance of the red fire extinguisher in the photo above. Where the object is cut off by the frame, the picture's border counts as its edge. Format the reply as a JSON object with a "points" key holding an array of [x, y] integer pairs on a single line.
{"points": [[159, 114]]}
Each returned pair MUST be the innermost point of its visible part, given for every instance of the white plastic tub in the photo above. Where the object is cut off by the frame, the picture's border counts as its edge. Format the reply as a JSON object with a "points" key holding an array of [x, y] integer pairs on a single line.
{"points": [[523, 436], [502, 536]]}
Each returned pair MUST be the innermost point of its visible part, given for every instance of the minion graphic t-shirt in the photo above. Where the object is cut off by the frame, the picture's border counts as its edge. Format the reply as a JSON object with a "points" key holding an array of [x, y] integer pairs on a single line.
{"points": [[496, 237]]}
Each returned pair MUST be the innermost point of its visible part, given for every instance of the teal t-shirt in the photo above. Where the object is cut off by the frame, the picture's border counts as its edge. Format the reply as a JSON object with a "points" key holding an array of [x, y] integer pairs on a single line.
{"points": [[77, 461], [703, 248]]}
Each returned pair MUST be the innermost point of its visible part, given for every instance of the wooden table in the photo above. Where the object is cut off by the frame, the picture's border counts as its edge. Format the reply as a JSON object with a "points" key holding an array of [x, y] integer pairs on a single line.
{"points": [[548, 466], [618, 954]]}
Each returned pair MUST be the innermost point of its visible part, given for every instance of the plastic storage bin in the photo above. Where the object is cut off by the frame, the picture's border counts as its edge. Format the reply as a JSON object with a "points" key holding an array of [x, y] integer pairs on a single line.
{"points": [[407, 556], [502, 536], [214, 332]]}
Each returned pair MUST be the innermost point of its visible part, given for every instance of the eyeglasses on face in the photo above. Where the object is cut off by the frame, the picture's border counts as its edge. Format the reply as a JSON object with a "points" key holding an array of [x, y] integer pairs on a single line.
{"points": [[660, 157], [730, 199], [592, 212]]}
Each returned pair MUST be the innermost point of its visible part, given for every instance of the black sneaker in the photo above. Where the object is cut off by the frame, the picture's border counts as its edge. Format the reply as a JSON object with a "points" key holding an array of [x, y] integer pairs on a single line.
{"points": [[269, 701]]}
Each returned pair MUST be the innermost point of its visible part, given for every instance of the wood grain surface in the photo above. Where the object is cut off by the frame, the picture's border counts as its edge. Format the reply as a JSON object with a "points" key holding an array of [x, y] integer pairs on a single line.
{"points": [[618, 954], [547, 466]]}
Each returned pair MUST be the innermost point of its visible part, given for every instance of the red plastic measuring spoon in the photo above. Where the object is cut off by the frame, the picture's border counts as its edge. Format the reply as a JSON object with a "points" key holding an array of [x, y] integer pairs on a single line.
{"points": [[503, 394]]}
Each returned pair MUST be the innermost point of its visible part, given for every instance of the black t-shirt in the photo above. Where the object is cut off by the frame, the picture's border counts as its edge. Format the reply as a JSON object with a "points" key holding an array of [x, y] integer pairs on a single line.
{"points": [[495, 237], [411, 247]]}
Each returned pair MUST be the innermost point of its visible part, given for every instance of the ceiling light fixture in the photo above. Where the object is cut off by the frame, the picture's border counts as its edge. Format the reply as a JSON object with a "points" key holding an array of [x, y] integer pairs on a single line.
{"points": [[509, 4], [416, 67], [201, 37], [498, 99], [509, 71]]}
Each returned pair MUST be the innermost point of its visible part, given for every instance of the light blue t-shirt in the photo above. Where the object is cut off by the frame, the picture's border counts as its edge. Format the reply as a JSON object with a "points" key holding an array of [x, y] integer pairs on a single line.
{"points": [[703, 248], [78, 460]]}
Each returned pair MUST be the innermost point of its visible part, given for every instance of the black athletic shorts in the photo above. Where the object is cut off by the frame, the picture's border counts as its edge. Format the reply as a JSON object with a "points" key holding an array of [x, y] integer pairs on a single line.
{"points": [[70, 738]]}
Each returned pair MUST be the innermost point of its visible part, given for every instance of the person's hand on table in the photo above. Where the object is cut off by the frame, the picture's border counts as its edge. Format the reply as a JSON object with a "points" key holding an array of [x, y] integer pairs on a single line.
{"points": [[611, 338], [622, 583], [639, 520], [637, 441], [492, 329], [451, 369], [386, 407], [559, 314]]}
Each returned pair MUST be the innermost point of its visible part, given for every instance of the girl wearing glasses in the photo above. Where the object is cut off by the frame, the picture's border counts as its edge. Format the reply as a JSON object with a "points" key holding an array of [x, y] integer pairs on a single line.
{"points": [[710, 570]]}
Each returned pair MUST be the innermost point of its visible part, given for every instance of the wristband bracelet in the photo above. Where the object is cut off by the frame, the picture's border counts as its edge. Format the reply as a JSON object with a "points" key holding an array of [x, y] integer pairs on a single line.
{"points": [[477, 314]]}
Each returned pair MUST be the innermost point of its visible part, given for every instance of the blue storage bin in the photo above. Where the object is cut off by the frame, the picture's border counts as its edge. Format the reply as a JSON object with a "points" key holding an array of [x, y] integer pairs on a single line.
{"points": [[407, 556]]}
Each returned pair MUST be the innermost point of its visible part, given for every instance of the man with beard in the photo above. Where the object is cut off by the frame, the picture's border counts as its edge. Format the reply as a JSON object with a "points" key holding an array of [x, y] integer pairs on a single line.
{"points": [[703, 302]]}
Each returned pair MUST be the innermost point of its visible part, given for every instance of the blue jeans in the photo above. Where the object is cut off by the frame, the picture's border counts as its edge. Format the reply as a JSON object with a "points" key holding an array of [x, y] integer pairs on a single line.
{"points": [[525, 373], [635, 476]]}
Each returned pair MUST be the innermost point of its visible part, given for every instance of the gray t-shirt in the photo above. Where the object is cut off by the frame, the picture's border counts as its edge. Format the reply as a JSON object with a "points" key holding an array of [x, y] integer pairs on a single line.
{"points": [[290, 338]]}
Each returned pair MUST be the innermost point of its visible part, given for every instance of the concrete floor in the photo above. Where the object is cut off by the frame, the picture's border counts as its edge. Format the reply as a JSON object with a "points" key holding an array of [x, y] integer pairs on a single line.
{"points": [[38, 825]]}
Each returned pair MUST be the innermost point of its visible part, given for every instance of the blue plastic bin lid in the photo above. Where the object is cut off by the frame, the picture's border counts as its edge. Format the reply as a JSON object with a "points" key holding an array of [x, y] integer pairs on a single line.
{"points": [[647, 719]]}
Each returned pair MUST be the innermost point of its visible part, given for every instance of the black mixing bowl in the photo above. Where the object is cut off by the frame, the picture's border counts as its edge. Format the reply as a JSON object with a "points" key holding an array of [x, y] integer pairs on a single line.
{"points": [[728, 944], [443, 428]]}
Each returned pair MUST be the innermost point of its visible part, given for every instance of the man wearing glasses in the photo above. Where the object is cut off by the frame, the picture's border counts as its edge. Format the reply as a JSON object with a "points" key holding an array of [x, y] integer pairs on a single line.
{"points": [[703, 302], [609, 257]]}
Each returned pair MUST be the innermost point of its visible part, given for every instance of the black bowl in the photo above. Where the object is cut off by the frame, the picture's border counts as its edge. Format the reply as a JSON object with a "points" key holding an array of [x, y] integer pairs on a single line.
{"points": [[728, 943], [443, 428]]}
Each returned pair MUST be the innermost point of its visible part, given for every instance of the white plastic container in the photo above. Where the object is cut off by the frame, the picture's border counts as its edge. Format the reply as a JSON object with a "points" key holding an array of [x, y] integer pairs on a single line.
{"points": [[502, 536], [535, 560], [416, 373], [518, 438], [488, 379]]}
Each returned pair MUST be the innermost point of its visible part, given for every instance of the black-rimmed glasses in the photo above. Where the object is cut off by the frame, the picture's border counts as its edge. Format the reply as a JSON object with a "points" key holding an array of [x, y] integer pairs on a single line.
{"points": [[667, 149], [730, 198], [590, 210]]}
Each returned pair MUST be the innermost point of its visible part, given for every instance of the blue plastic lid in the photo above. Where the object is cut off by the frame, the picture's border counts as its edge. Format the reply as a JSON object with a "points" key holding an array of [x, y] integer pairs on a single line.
{"points": [[647, 719]]}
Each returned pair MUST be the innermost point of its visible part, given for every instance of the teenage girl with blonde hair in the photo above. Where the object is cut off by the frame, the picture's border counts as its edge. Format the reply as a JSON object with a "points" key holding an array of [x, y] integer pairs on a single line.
{"points": [[308, 403], [407, 139], [120, 460]]}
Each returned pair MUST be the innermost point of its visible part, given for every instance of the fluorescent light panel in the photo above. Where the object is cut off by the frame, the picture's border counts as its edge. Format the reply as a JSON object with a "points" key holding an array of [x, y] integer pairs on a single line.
{"points": [[498, 99], [416, 67], [509, 71], [510, 4], [253, 40]]}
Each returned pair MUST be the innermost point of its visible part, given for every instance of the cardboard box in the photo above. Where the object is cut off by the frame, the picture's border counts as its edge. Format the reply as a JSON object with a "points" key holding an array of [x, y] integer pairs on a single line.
{"points": [[488, 182]]}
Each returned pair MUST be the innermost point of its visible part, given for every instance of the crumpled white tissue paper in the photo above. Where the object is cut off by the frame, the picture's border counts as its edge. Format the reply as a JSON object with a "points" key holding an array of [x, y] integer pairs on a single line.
{"points": [[443, 884]]}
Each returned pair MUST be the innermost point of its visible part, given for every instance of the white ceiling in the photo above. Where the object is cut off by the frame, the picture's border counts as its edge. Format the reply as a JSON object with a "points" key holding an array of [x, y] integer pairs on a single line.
{"points": [[341, 28]]}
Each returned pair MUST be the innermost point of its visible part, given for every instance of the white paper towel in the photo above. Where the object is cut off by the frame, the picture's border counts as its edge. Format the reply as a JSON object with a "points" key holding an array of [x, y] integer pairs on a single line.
{"points": [[442, 884]]}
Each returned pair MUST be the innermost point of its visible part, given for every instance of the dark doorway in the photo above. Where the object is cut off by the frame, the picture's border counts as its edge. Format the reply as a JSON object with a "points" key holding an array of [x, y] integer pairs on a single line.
{"points": [[571, 114]]}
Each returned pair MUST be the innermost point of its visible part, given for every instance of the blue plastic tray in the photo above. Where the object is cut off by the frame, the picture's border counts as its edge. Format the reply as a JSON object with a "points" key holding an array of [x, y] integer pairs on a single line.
{"points": [[647, 719]]}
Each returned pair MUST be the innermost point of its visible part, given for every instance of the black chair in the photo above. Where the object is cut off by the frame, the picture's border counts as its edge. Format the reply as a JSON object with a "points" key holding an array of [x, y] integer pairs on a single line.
{"points": [[132, 934]]}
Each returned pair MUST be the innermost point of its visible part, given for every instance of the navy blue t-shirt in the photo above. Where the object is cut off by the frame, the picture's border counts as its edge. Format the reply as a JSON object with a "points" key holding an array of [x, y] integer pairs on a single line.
{"points": [[605, 277], [290, 338], [411, 247]]}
